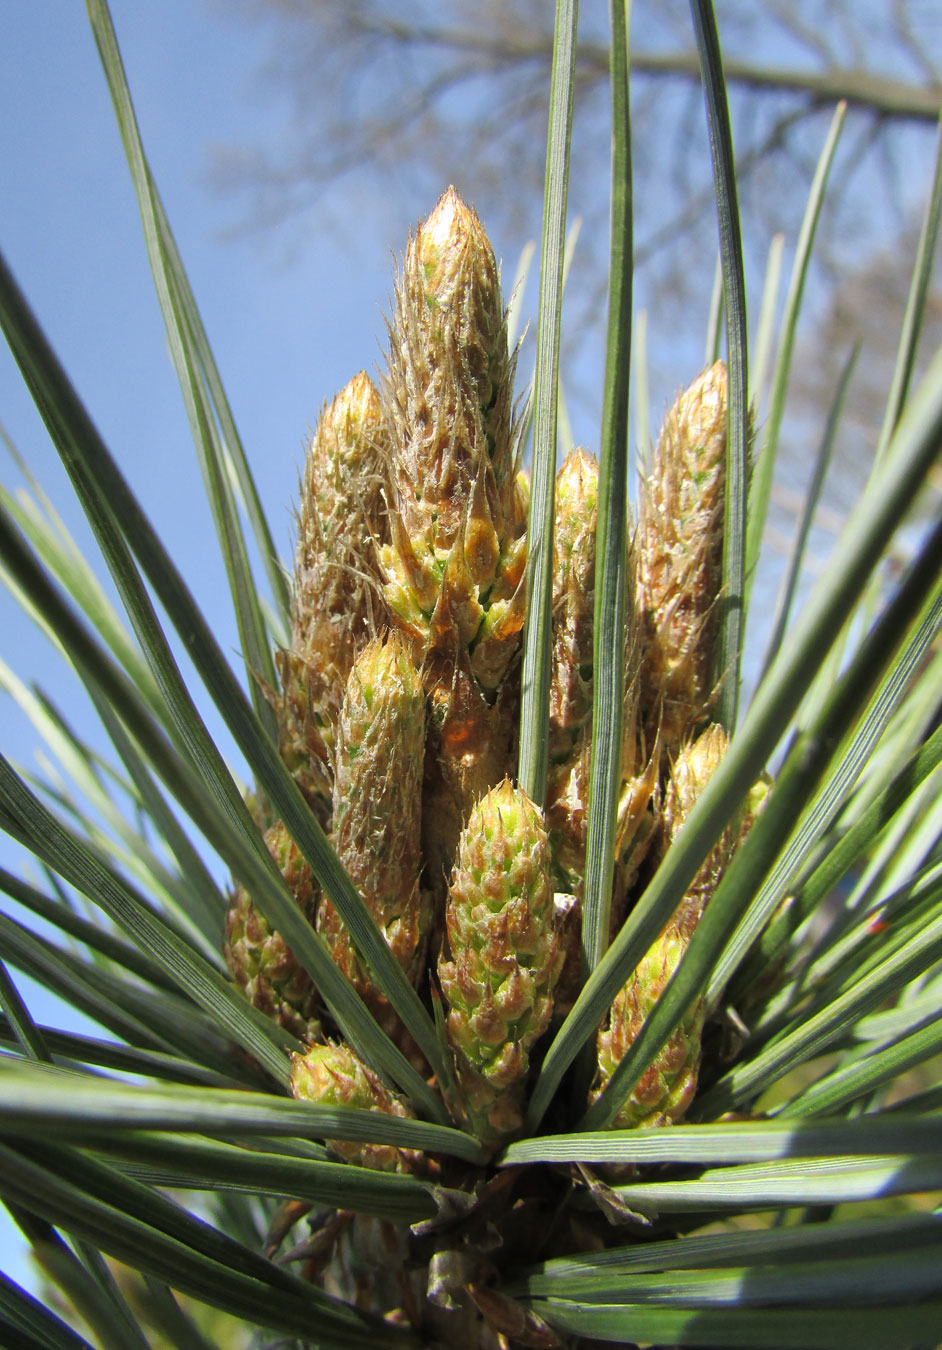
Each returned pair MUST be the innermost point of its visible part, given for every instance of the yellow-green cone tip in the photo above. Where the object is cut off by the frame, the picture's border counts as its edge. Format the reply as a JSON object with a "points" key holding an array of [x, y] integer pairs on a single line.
{"points": [[455, 561], [571, 693], [377, 803], [454, 565], [755, 994], [667, 1087], [505, 956], [693, 768], [333, 1075], [679, 560], [448, 377], [258, 956], [573, 600], [571, 675], [337, 602]]}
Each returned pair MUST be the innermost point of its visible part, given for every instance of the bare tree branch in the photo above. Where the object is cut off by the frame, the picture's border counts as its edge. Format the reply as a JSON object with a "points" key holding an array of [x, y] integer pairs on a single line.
{"points": [[858, 88], [419, 92]]}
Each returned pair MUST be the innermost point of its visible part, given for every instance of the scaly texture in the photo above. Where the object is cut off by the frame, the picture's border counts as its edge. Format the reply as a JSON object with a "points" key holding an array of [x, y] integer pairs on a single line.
{"points": [[455, 561], [337, 603], [691, 772], [332, 1075], [454, 564], [570, 703], [667, 1086], [754, 994], [570, 710], [377, 803], [679, 561], [570, 713], [505, 957], [258, 956]]}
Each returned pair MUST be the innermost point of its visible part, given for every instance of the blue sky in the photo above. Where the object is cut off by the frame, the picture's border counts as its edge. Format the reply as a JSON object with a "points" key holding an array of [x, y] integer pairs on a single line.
{"points": [[285, 337], [289, 321]]}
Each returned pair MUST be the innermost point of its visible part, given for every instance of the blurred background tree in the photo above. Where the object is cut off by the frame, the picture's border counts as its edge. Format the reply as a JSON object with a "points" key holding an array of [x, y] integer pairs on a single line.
{"points": [[412, 98], [422, 93]]}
